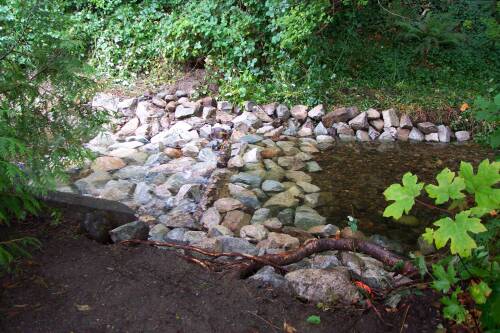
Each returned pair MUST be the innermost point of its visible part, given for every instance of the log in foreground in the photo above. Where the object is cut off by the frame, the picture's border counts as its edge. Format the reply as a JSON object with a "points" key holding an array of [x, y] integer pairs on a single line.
{"points": [[248, 264]]}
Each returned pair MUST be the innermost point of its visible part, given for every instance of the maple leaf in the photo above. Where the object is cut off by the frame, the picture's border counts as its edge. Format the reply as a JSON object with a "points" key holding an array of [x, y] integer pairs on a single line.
{"points": [[443, 280], [482, 184], [457, 232], [452, 307], [480, 292], [448, 187], [403, 196]]}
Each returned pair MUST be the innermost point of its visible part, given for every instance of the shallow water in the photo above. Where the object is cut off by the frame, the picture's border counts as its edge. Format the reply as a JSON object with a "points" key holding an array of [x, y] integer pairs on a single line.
{"points": [[355, 176]]}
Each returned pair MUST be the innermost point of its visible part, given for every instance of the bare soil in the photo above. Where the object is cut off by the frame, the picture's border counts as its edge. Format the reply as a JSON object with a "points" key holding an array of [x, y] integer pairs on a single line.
{"points": [[76, 285]]}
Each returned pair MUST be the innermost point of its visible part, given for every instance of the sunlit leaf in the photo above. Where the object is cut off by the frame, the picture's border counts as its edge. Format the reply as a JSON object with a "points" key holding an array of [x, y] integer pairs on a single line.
{"points": [[403, 196]]}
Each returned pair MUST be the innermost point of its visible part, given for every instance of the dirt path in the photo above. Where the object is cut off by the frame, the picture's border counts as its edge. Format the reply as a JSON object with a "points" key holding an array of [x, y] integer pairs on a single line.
{"points": [[77, 285]]}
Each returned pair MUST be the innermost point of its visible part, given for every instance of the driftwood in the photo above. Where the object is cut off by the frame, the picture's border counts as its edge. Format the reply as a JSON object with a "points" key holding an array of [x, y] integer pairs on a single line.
{"points": [[246, 265]]}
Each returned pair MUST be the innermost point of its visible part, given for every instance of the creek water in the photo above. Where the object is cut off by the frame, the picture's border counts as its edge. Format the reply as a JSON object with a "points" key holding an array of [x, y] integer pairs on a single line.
{"points": [[355, 176]]}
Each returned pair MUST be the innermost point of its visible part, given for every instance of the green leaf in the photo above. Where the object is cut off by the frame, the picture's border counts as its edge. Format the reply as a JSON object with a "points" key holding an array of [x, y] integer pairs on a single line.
{"points": [[403, 196], [457, 232], [315, 320], [453, 310], [482, 185], [490, 311], [448, 187], [444, 279], [479, 292]]}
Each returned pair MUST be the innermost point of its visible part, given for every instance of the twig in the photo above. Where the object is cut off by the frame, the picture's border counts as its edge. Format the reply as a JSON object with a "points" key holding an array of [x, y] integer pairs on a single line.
{"points": [[432, 206], [404, 319]]}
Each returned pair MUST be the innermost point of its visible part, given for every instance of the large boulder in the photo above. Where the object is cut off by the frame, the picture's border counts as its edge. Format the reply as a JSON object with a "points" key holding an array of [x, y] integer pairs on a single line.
{"points": [[321, 285]]}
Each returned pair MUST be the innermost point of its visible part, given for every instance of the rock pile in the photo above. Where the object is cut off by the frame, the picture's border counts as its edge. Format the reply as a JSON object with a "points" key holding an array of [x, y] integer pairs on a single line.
{"points": [[165, 148]]}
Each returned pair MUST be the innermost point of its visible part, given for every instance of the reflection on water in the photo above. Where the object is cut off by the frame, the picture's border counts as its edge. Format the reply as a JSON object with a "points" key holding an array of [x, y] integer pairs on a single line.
{"points": [[355, 176]]}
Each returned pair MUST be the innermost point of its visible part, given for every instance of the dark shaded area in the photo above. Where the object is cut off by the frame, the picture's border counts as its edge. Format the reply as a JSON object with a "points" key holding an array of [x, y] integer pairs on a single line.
{"points": [[356, 175], [77, 285]]}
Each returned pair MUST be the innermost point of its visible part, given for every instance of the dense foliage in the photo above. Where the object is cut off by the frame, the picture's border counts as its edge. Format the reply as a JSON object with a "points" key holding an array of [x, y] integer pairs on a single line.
{"points": [[414, 54], [469, 273], [42, 116]]}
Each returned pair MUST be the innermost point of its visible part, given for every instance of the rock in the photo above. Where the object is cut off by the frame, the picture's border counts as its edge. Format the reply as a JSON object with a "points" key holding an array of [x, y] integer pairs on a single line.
{"points": [[224, 205], [225, 106], [268, 276], [324, 261], [405, 122], [390, 118], [279, 241], [246, 197], [320, 285], [210, 218], [317, 112], [132, 230], [247, 118], [270, 108], [386, 136], [176, 235], [320, 129], [306, 217], [339, 115], [107, 163], [158, 233], [416, 135], [142, 193], [373, 133], [308, 187], [117, 190], [297, 176], [96, 226], [444, 133], [219, 230], [192, 237], [312, 200], [252, 156], [372, 114], [462, 136], [359, 122], [324, 231], [299, 112], [432, 137], [106, 102], [282, 112], [343, 129], [273, 224], [260, 215], [377, 124], [270, 152], [129, 128], [272, 186], [306, 129], [254, 231], [313, 166], [362, 136], [89, 184], [208, 112], [247, 178], [236, 244], [187, 109], [427, 127], [282, 200], [251, 138], [181, 93], [403, 134], [286, 216], [132, 172], [177, 218]]}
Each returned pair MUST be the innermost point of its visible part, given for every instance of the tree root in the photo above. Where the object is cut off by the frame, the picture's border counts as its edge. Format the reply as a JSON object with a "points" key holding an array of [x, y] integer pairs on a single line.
{"points": [[246, 265]]}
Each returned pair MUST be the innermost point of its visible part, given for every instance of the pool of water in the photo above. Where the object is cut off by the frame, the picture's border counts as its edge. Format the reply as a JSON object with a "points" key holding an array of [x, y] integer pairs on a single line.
{"points": [[355, 176]]}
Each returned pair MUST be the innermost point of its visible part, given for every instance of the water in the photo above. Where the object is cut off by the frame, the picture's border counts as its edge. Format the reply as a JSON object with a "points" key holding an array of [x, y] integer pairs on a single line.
{"points": [[355, 176]]}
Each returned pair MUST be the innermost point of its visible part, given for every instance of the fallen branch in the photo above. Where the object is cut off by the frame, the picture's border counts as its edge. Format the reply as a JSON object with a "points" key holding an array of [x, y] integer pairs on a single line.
{"points": [[249, 264]]}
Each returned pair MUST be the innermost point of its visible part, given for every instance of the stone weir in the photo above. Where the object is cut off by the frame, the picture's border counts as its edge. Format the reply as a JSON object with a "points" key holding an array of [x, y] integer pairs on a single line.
{"points": [[165, 149]]}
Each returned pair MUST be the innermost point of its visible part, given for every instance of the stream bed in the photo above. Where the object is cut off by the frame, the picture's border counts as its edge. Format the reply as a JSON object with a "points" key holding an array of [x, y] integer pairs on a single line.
{"points": [[355, 176]]}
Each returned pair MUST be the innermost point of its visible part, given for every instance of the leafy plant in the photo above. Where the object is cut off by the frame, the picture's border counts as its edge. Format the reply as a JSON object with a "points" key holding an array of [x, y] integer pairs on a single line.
{"points": [[488, 112], [469, 231], [313, 319]]}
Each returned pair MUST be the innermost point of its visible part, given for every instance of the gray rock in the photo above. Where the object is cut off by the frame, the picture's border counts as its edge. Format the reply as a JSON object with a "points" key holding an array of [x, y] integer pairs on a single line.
{"points": [[282, 112], [359, 122], [181, 93], [320, 129], [444, 133], [279, 241], [246, 197], [177, 218], [372, 114], [405, 122], [260, 215], [117, 190], [272, 186], [416, 135], [390, 118], [432, 137], [377, 124], [251, 138], [270, 108], [176, 235], [187, 109], [247, 118], [282, 200], [299, 112], [225, 106], [287, 216], [158, 233], [324, 261], [308, 187], [224, 205], [313, 166], [339, 115], [132, 230], [236, 244], [96, 226], [362, 136], [324, 231], [219, 230], [462, 136], [247, 178], [403, 134], [254, 231], [317, 112], [156, 159], [306, 129], [208, 112], [92, 182], [268, 276], [320, 285], [210, 218], [386, 136], [142, 193], [306, 217], [427, 127], [132, 172], [253, 155]]}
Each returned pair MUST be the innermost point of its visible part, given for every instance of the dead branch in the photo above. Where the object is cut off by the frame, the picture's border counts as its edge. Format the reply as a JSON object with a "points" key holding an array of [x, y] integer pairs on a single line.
{"points": [[246, 264]]}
